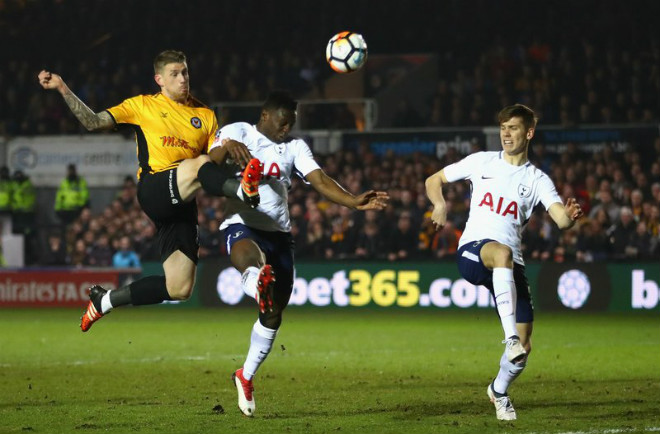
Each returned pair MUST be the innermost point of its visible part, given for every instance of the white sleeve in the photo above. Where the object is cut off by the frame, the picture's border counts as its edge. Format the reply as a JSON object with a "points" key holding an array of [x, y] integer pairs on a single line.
{"points": [[547, 193], [235, 131], [462, 169], [303, 159]]}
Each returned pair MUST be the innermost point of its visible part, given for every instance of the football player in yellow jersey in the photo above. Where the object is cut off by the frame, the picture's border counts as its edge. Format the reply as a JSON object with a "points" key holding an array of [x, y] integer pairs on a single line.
{"points": [[173, 132]]}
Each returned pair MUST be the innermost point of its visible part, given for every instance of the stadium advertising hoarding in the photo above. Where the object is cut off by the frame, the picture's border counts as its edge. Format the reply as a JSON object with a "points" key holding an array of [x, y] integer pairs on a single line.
{"points": [[427, 285], [590, 140], [425, 142], [104, 160], [554, 140], [570, 287], [586, 140], [56, 287]]}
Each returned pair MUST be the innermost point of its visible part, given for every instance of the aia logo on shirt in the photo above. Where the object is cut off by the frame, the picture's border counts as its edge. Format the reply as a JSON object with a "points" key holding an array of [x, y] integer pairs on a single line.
{"points": [[499, 207], [273, 171]]}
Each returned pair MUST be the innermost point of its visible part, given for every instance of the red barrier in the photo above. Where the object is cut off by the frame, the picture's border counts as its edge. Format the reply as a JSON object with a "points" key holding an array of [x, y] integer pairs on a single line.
{"points": [[56, 287]]}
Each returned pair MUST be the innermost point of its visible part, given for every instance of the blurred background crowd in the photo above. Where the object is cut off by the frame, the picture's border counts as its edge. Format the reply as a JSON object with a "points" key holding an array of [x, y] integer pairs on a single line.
{"points": [[620, 195], [575, 63]]}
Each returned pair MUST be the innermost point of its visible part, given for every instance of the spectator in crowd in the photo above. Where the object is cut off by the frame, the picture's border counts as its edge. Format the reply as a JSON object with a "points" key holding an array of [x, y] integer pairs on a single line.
{"points": [[24, 199], [126, 257], [445, 242], [79, 254], [211, 242], [370, 243], [637, 204], [621, 232], [592, 242], [427, 234], [101, 253], [606, 203], [403, 240], [316, 241], [652, 221], [72, 196], [6, 190], [534, 245], [55, 252], [23, 202], [148, 246], [565, 249], [340, 242], [639, 245]]}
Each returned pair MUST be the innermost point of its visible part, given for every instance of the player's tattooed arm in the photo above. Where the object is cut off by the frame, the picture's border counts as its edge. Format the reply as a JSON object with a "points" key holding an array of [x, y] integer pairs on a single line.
{"points": [[90, 120]]}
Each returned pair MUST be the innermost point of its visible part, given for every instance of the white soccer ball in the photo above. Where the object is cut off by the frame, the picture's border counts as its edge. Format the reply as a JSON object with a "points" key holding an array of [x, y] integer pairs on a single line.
{"points": [[346, 52]]}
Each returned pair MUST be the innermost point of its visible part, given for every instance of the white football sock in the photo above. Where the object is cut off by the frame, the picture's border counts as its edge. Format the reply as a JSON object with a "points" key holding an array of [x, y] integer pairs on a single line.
{"points": [[508, 372], [249, 281], [239, 192], [261, 341], [106, 304], [504, 289]]}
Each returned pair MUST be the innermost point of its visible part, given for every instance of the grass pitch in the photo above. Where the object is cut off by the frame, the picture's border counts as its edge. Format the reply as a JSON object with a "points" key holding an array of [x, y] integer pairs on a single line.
{"points": [[167, 370]]}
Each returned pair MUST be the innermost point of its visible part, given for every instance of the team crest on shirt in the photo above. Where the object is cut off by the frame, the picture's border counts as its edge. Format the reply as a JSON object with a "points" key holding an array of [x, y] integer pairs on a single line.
{"points": [[280, 148], [524, 191], [196, 122]]}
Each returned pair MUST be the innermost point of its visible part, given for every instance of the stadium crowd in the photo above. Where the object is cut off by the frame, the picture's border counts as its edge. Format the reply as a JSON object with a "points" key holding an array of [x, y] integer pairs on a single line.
{"points": [[620, 194], [560, 65]]}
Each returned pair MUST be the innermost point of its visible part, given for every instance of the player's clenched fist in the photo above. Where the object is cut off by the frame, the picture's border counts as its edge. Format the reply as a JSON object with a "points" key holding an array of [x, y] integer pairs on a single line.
{"points": [[48, 80], [573, 209]]}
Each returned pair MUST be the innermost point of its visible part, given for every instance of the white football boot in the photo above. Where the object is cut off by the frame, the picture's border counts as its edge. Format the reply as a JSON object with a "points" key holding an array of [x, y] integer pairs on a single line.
{"points": [[503, 407], [245, 396]]}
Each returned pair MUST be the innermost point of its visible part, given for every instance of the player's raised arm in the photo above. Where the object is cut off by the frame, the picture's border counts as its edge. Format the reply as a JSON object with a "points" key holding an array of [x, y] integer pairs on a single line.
{"points": [[90, 120], [329, 188], [434, 185], [565, 215]]}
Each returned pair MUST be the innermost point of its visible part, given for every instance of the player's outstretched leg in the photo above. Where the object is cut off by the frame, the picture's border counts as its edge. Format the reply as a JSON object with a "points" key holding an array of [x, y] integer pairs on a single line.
{"points": [[93, 312], [245, 391], [252, 174], [265, 288], [503, 407]]}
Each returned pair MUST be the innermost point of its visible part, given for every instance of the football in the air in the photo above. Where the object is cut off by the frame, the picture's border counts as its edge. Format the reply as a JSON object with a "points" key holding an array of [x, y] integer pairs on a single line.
{"points": [[346, 52]]}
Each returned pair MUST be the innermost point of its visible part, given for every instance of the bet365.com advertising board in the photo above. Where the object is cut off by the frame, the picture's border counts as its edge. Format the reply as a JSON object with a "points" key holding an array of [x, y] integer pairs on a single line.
{"points": [[428, 285]]}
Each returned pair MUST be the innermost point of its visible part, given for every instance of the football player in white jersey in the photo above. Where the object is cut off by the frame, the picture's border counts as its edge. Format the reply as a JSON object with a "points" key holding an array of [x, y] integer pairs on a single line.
{"points": [[258, 239], [505, 189]]}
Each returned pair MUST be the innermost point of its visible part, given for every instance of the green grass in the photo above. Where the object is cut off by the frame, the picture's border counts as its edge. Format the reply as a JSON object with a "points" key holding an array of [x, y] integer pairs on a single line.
{"points": [[164, 370]]}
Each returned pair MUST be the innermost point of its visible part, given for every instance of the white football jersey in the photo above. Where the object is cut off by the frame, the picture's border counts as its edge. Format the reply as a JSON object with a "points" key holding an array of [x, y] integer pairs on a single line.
{"points": [[503, 197], [280, 160]]}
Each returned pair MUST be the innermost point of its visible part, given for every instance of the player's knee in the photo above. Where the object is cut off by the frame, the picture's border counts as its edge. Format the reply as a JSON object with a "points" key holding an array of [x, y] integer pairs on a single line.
{"points": [[272, 319], [503, 256], [181, 291], [198, 162], [246, 253]]}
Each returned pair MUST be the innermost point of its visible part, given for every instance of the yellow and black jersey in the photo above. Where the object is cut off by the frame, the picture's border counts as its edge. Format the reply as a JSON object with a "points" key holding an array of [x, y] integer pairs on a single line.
{"points": [[166, 132]]}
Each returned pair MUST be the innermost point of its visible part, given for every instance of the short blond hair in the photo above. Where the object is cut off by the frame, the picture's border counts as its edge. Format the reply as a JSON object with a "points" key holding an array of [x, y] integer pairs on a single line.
{"points": [[167, 57]]}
